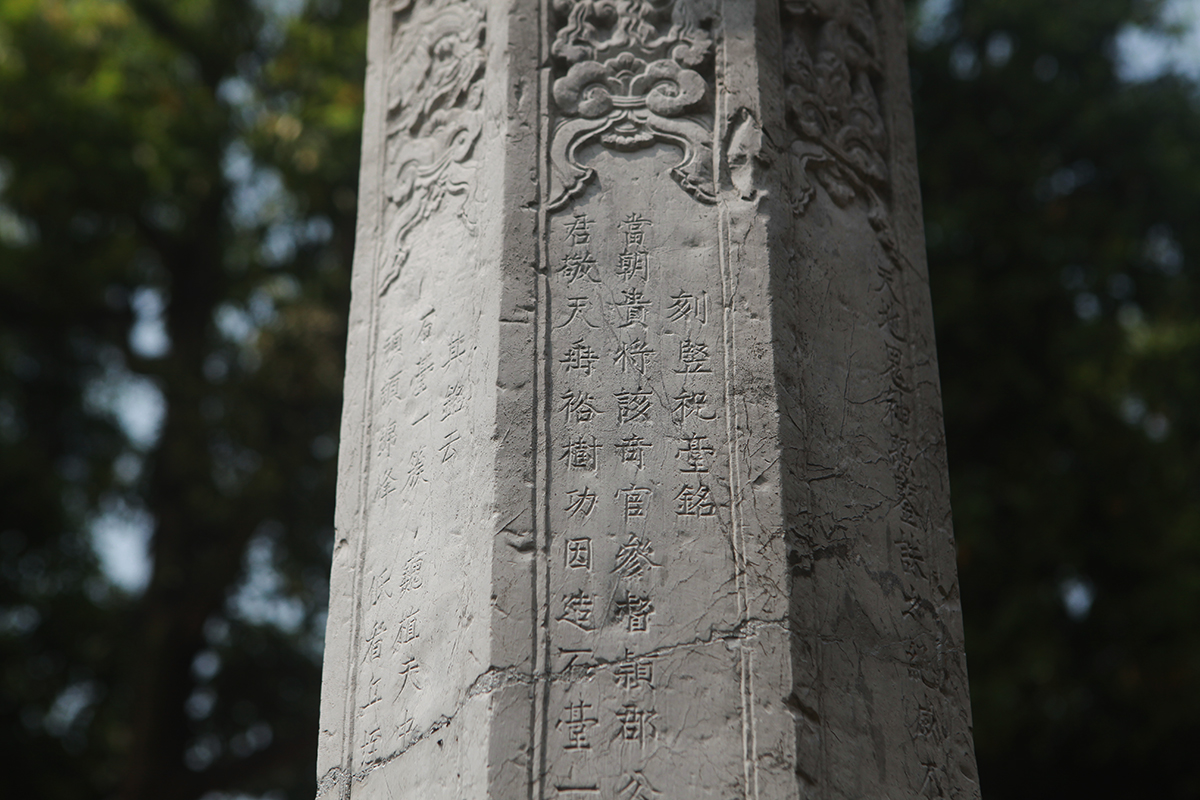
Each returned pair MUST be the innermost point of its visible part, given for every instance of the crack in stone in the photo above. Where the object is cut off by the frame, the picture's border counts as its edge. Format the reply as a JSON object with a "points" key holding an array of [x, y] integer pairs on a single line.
{"points": [[439, 723], [500, 677]]}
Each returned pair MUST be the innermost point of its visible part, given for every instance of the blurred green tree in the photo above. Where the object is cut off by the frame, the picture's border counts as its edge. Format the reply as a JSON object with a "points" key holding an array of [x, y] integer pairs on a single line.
{"points": [[176, 225], [177, 196], [1061, 207]]}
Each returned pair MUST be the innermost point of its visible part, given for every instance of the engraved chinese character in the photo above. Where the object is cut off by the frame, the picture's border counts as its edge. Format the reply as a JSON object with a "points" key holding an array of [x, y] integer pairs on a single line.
{"points": [[693, 358], [410, 578], [407, 631], [893, 400], [695, 502], [447, 448], [426, 327], [391, 388], [580, 453], [637, 610], [632, 356], [387, 485], [634, 264], [454, 401], [373, 693], [581, 657], [637, 788], [632, 449], [416, 469], [579, 407], [636, 723], [575, 723], [694, 454], [633, 406], [387, 438], [457, 349], [634, 672], [632, 308], [580, 357], [686, 306], [375, 641], [579, 553], [634, 227], [370, 745], [911, 559], [577, 306], [691, 404], [379, 586], [417, 383], [408, 670], [919, 667], [577, 229], [392, 343], [634, 499], [635, 558], [926, 726], [932, 785], [577, 610], [578, 265], [583, 501]]}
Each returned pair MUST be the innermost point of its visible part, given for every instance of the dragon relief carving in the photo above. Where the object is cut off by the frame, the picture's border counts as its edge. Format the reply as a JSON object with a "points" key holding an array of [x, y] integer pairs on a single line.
{"points": [[633, 78], [434, 115], [831, 59]]}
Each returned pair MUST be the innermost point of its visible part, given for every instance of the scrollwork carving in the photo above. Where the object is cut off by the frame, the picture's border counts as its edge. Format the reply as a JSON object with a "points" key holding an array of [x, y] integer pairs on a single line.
{"points": [[633, 78], [831, 60], [434, 116]]}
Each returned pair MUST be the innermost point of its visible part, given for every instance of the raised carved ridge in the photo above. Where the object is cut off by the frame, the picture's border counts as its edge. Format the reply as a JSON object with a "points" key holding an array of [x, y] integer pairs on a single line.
{"points": [[630, 74], [434, 115], [831, 60]]}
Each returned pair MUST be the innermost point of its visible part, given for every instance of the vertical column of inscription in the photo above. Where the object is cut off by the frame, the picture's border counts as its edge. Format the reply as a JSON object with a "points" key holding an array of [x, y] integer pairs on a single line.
{"points": [[644, 698], [424, 437], [882, 434], [427, 399]]}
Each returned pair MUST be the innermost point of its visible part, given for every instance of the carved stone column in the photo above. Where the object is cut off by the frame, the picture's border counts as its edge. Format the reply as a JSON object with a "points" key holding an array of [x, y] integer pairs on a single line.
{"points": [[643, 492]]}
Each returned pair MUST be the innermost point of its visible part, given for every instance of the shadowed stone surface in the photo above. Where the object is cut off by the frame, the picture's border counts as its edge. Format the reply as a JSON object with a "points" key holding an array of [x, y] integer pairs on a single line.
{"points": [[643, 492]]}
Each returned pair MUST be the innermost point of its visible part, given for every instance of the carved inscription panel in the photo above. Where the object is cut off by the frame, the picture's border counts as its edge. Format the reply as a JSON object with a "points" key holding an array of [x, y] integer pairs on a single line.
{"points": [[430, 389], [875, 414], [642, 598], [431, 373]]}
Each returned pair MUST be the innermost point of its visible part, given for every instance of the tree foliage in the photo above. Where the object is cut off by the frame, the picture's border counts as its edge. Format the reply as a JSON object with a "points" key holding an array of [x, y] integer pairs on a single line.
{"points": [[1060, 208], [175, 235], [177, 197]]}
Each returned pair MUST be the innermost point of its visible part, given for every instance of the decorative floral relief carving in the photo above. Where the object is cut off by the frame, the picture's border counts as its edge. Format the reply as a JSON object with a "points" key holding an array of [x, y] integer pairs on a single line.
{"points": [[831, 57], [434, 115], [633, 78]]}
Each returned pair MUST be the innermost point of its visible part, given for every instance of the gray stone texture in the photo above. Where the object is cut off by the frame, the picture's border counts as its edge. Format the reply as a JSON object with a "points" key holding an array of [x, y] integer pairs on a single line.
{"points": [[642, 484]]}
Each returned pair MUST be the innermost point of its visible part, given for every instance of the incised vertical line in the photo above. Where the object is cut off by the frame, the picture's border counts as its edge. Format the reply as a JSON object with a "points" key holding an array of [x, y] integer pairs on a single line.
{"points": [[729, 346], [542, 327], [379, 100]]}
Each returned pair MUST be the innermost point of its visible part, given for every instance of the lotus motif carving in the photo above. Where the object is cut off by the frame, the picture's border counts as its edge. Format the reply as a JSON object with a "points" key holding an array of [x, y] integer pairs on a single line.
{"points": [[647, 92]]}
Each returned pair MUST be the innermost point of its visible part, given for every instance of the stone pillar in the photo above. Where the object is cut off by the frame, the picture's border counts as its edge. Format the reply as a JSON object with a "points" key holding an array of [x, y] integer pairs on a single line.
{"points": [[643, 491]]}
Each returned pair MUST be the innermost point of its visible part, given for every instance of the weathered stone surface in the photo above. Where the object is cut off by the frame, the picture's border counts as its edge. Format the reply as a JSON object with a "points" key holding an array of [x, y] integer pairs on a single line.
{"points": [[643, 491]]}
